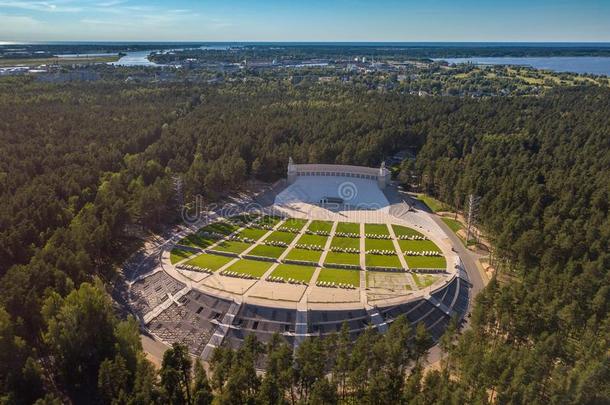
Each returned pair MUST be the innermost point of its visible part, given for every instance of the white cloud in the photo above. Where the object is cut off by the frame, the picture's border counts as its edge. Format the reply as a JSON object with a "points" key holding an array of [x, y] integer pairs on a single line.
{"points": [[45, 6]]}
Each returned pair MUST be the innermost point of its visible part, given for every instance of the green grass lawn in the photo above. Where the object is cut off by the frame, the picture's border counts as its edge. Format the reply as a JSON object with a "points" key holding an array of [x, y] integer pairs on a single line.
{"points": [[255, 268], [252, 233], [268, 220], [232, 246], [400, 230], [222, 227], [377, 229], [434, 204], [340, 276], [244, 217], [324, 226], [345, 242], [305, 255], [426, 262], [280, 236], [286, 271], [267, 251], [196, 240], [380, 244], [316, 240], [348, 227], [383, 261], [343, 258], [424, 280], [209, 261], [178, 254], [296, 223], [453, 224], [418, 245]]}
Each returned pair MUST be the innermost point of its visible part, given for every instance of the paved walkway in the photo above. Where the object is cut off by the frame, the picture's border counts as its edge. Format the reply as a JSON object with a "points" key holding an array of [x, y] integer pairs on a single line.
{"points": [[363, 296], [294, 241], [333, 230], [401, 257]]}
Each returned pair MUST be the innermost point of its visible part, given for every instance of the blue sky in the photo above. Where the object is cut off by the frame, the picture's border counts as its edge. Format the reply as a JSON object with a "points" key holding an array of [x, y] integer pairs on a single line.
{"points": [[312, 20]]}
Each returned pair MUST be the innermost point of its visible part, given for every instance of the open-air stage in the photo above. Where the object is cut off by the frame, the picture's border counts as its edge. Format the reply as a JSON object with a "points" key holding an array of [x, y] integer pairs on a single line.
{"points": [[336, 244]]}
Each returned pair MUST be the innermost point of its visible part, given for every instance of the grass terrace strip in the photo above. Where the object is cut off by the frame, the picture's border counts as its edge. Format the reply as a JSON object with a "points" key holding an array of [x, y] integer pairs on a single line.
{"points": [[379, 244], [400, 230], [252, 233], [316, 240], [281, 236], [376, 229], [244, 218], [198, 240], [339, 276], [294, 271], [320, 226], [221, 227], [268, 220], [231, 246], [207, 261], [426, 262], [383, 261], [348, 227], [178, 254], [346, 243], [343, 258], [304, 255], [293, 225], [418, 246], [253, 268], [267, 251]]}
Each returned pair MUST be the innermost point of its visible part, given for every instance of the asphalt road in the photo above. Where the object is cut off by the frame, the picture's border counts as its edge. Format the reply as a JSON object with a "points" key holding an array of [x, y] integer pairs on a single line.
{"points": [[468, 258]]}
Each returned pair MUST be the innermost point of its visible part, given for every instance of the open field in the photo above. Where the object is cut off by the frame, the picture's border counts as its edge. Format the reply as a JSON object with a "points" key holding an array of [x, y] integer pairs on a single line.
{"points": [[58, 61], [376, 229], [340, 276], [343, 258], [316, 240], [209, 261], [418, 245], [352, 243], [434, 204], [305, 255], [178, 254], [252, 233], [232, 246], [268, 251], [348, 227], [424, 280], [453, 224], [286, 271], [426, 262], [280, 236], [400, 230], [380, 244], [316, 226], [383, 261], [254, 268]]}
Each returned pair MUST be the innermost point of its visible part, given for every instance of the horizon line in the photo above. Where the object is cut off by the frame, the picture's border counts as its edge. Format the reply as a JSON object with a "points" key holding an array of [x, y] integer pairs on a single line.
{"points": [[50, 42]]}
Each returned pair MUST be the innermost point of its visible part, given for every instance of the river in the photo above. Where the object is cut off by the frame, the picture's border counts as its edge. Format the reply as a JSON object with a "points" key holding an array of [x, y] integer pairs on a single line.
{"points": [[597, 65]]}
